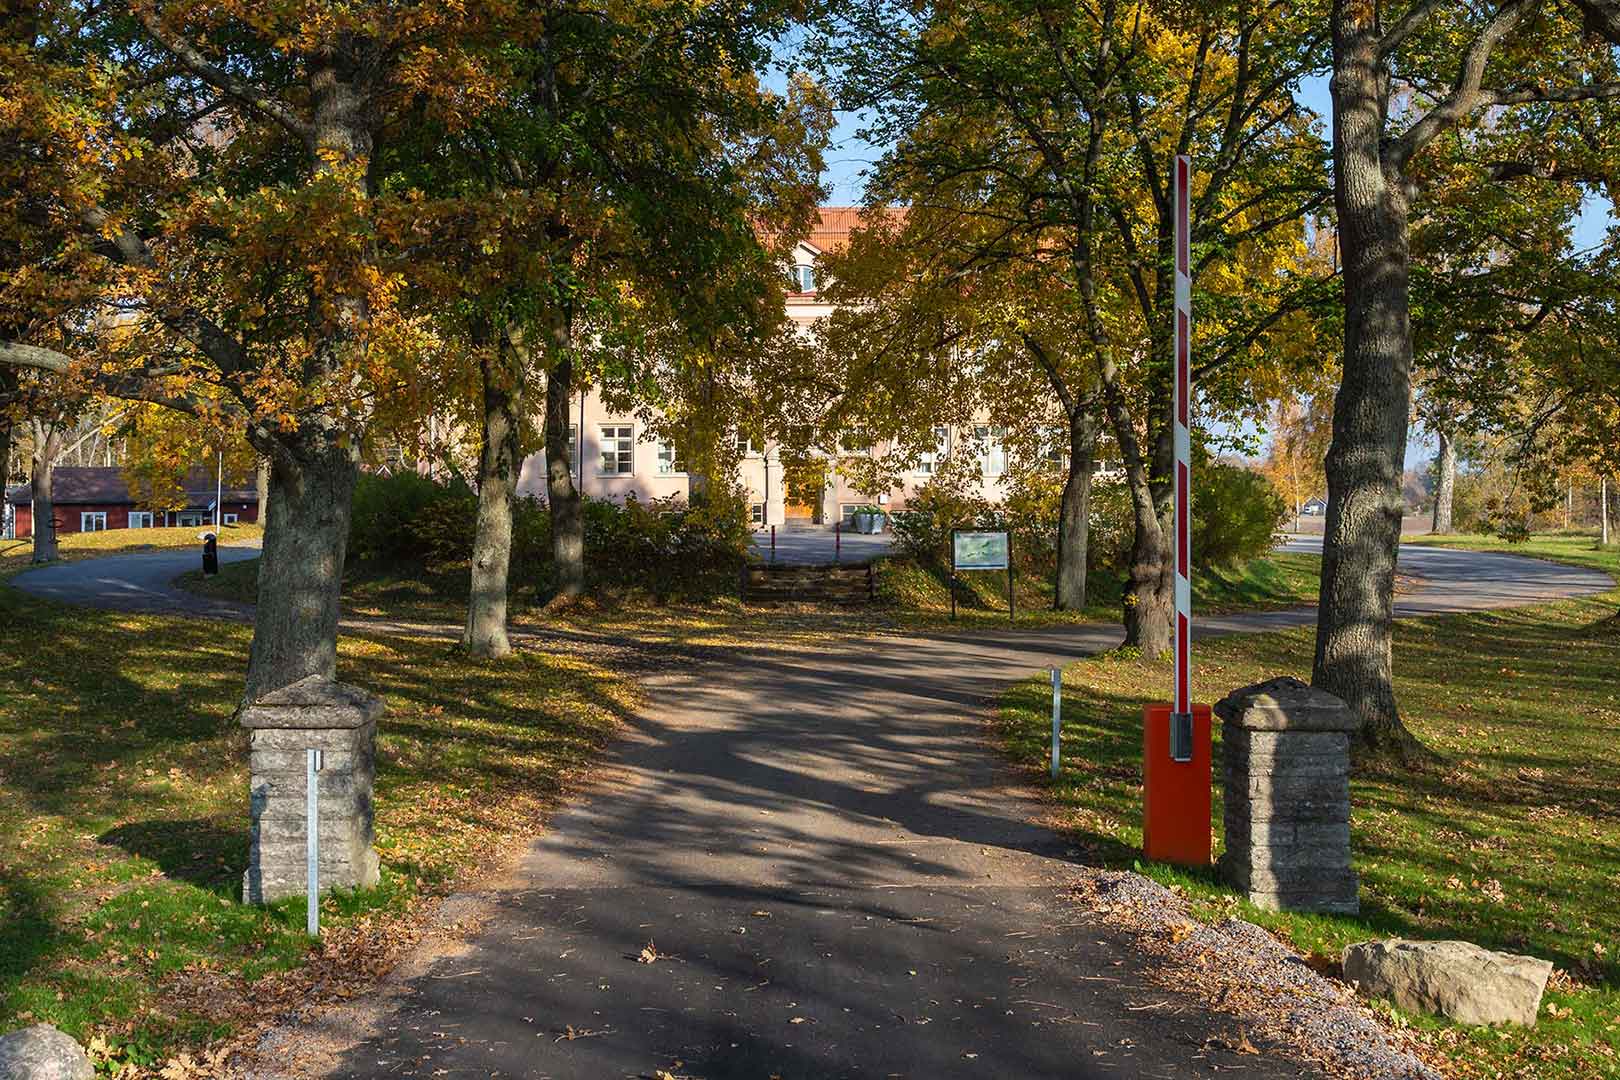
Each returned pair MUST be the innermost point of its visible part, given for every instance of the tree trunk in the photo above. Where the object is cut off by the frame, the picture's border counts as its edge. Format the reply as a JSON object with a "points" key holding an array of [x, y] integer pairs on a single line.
{"points": [[498, 465], [1445, 484], [261, 484], [47, 445], [1074, 519], [1355, 617], [295, 623], [567, 520]]}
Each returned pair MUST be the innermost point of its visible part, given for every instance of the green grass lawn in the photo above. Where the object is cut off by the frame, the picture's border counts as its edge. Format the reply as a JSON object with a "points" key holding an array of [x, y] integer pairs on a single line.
{"points": [[1513, 841], [1575, 548], [124, 817]]}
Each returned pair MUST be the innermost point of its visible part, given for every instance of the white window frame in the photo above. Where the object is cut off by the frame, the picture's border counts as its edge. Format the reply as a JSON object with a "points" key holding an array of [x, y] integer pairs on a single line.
{"points": [[620, 441], [745, 447], [92, 521], [667, 459], [193, 519], [992, 444], [928, 463], [145, 518], [756, 513], [804, 278], [229, 519]]}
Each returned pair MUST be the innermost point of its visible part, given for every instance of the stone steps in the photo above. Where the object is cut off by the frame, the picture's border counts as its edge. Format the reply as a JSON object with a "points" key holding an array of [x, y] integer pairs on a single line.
{"points": [[835, 584]]}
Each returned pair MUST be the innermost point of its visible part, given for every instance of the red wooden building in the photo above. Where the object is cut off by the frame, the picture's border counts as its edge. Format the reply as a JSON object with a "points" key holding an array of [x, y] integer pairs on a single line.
{"points": [[93, 499]]}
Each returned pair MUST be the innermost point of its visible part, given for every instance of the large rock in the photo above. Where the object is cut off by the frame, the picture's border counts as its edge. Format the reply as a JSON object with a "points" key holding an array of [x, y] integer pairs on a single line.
{"points": [[1457, 979], [42, 1052]]}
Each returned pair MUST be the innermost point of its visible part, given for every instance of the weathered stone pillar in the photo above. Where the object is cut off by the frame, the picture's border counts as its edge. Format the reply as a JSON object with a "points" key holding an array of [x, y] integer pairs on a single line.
{"points": [[1287, 784], [341, 721]]}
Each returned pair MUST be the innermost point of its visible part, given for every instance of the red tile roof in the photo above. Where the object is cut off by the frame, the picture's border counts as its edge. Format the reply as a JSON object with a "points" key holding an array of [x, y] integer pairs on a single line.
{"points": [[835, 223]]}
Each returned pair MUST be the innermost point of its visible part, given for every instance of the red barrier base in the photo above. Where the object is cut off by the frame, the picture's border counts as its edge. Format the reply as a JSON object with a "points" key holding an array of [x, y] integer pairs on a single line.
{"points": [[1175, 794]]}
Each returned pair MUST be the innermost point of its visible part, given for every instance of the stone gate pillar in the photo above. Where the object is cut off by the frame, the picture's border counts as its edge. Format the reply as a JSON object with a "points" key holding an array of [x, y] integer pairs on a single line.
{"points": [[341, 721], [1287, 786]]}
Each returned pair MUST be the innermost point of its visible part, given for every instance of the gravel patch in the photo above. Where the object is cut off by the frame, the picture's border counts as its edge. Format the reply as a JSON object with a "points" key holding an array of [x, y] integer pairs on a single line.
{"points": [[1243, 970]]}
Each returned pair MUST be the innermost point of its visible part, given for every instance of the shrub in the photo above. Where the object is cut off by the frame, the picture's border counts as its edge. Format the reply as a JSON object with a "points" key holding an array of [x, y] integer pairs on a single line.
{"points": [[667, 548], [409, 518], [1235, 514]]}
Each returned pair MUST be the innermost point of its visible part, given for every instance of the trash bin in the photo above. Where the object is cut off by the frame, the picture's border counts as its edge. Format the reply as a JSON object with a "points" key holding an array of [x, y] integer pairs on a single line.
{"points": [[210, 554]]}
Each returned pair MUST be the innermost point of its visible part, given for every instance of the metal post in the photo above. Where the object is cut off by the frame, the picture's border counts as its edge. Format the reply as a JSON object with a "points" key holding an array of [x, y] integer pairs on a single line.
{"points": [[773, 543], [219, 492], [1057, 720], [1010, 612], [838, 540], [1181, 748], [312, 843]]}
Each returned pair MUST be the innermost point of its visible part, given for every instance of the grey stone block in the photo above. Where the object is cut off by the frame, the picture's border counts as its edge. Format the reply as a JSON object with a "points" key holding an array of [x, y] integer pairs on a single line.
{"points": [[1287, 796], [1298, 811], [313, 703], [1284, 704], [1458, 979], [340, 721], [42, 1052], [1263, 744]]}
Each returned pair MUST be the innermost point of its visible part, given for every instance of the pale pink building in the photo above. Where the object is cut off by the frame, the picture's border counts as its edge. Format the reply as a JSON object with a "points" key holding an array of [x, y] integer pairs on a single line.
{"points": [[618, 456]]}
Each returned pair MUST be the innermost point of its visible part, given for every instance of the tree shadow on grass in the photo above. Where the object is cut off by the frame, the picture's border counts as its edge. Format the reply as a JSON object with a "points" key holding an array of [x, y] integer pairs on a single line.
{"points": [[201, 851]]}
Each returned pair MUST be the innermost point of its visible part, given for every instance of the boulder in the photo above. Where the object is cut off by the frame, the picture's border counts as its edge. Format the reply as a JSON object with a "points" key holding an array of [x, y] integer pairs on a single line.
{"points": [[42, 1052], [1455, 979]]}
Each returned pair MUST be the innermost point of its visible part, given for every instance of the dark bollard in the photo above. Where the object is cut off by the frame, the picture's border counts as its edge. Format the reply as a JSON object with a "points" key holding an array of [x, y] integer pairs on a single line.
{"points": [[210, 554]]}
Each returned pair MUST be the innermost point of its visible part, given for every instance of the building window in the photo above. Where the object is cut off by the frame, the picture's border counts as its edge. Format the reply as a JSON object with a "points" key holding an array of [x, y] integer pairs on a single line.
{"points": [[930, 459], [230, 519], [669, 459], [992, 451], [140, 519], [573, 444], [1056, 451], [191, 518], [756, 513], [803, 277], [745, 446], [618, 450], [93, 521]]}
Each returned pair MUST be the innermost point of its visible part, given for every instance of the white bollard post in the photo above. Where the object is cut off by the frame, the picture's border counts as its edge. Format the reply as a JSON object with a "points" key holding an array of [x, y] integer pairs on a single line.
{"points": [[312, 842], [1057, 720]]}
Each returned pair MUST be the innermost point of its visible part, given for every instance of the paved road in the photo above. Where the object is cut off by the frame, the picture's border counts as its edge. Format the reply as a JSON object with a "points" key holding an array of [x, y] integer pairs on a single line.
{"points": [[814, 545], [839, 880], [834, 871], [141, 582]]}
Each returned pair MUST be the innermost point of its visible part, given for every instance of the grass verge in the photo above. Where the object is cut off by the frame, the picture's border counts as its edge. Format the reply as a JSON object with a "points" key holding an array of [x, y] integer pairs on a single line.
{"points": [[920, 594], [1513, 842], [124, 817]]}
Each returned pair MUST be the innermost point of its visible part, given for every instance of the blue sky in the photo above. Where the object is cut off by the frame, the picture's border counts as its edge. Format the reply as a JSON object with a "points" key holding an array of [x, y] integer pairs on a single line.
{"points": [[849, 155]]}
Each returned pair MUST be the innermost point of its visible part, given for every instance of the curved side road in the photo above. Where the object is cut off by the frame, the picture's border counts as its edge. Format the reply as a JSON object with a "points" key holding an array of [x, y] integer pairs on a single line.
{"points": [[832, 874]]}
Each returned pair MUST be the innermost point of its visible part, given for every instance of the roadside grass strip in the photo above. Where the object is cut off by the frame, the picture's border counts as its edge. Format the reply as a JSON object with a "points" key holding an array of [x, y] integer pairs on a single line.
{"points": [[1512, 841], [124, 817]]}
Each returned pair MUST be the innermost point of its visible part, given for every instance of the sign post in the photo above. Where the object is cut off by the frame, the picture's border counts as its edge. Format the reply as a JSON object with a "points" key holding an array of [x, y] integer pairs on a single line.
{"points": [[1176, 737], [982, 550]]}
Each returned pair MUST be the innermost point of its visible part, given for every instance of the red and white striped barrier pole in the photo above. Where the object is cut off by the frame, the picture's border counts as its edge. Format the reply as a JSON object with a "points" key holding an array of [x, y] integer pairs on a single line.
{"points": [[1176, 790], [1181, 733]]}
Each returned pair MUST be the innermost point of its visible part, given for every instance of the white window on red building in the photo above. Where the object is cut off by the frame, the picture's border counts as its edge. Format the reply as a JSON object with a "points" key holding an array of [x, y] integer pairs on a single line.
{"points": [[93, 521], [140, 519]]}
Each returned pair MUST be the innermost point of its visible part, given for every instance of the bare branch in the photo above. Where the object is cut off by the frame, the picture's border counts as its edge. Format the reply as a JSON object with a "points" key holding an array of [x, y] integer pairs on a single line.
{"points": [[1465, 95], [260, 101], [16, 354]]}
